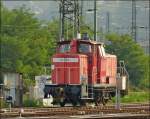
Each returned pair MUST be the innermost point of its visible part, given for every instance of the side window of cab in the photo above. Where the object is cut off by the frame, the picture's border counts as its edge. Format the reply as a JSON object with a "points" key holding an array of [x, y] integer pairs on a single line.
{"points": [[84, 48]]}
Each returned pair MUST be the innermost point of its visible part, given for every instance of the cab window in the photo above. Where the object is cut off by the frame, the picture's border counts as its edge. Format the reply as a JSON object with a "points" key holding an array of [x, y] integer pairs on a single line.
{"points": [[64, 48], [85, 48], [101, 51]]}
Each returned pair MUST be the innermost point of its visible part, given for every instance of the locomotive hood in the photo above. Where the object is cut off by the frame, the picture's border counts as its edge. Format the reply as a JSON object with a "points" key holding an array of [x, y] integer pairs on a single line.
{"points": [[69, 69]]}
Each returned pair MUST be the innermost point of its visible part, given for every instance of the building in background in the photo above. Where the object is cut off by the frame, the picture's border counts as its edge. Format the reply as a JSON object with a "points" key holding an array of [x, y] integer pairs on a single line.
{"points": [[37, 92], [12, 88]]}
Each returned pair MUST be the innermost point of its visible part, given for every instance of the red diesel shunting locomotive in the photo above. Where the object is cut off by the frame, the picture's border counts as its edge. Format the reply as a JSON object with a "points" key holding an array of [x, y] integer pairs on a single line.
{"points": [[82, 72]]}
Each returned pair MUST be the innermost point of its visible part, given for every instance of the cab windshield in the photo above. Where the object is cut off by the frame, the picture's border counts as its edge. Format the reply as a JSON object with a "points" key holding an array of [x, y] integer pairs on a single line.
{"points": [[64, 48], [85, 48]]}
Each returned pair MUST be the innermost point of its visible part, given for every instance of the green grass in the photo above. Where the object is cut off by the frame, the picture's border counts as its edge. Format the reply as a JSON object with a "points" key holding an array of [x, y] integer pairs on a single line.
{"points": [[135, 97]]}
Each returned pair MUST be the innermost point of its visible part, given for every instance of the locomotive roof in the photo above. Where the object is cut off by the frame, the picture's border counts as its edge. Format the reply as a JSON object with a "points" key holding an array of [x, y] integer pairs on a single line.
{"points": [[83, 41]]}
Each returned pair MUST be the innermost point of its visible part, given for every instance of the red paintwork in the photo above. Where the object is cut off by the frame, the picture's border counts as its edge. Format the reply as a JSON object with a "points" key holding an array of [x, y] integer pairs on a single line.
{"points": [[69, 72], [97, 66]]}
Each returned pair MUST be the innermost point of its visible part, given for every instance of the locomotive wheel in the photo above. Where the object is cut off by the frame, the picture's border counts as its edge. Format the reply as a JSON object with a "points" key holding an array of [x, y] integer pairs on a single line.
{"points": [[74, 100], [104, 101], [62, 102], [110, 97], [97, 101], [74, 103], [82, 102]]}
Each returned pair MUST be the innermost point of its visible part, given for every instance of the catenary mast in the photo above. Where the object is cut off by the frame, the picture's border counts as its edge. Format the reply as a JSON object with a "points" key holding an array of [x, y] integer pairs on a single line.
{"points": [[70, 15]]}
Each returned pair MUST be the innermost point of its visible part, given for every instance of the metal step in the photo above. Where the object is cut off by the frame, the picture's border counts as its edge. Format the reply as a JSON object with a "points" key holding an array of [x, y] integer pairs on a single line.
{"points": [[90, 92], [87, 98]]}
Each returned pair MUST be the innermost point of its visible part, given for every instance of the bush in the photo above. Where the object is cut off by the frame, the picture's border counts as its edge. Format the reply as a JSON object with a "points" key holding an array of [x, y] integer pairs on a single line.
{"points": [[134, 97], [3, 104], [32, 103]]}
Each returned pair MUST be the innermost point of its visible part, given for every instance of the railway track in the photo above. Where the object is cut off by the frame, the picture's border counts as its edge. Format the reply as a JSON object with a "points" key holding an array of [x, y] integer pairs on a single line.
{"points": [[33, 112]]}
